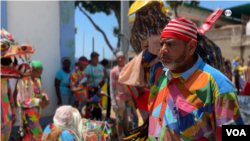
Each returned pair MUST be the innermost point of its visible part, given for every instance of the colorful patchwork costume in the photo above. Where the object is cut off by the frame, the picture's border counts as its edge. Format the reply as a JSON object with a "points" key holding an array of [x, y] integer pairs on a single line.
{"points": [[121, 97], [79, 90], [10, 54], [189, 106]]}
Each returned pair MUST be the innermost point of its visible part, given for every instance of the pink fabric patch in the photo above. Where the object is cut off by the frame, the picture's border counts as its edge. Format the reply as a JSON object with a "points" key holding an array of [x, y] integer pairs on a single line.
{"points": [[175, 92], [152, 125], [184, 105], [224, 112]]}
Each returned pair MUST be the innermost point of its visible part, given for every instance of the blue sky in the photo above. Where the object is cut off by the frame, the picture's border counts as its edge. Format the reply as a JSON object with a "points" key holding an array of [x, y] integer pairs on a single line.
{"points": [[106, 23]]}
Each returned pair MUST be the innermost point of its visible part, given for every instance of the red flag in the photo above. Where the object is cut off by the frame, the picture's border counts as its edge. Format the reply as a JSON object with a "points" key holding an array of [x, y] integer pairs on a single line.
{"points": [[210, 21]]}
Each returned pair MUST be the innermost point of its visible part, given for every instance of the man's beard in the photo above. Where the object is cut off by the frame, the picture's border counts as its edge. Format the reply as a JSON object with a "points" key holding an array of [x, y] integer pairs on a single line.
{"points": [[175, 63]]}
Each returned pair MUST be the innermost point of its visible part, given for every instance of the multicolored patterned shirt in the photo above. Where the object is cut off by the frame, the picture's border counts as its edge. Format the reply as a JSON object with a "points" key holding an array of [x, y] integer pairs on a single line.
{"points": [[79, 90], [192, 106], [118, 91], [66, 135], [7, 102], [34, 100]]}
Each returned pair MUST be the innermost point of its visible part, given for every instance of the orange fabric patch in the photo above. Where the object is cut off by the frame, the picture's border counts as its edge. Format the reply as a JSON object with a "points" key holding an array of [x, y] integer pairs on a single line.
{"points": [[197, 80]]}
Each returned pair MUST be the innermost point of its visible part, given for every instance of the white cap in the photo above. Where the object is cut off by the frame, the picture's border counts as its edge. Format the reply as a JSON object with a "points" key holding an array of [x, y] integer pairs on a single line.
{"points": [[119, 53]]}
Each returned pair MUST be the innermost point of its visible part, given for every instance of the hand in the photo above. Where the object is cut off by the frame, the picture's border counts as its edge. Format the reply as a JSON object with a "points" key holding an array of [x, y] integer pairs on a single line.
{"points": [[83, 80], [59, 102], [102, 93], [14, 119], [115, 108]]}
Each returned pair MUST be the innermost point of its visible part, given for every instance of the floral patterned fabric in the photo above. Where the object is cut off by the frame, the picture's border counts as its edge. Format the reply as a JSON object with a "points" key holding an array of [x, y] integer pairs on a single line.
{"points": [[95, 130], [66, 135], [31, 111], [7, 109]]}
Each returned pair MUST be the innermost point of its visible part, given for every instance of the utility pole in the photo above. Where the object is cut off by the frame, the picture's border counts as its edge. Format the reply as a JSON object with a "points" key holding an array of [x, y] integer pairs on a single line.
{"points": [[213, 4], [103, 53], [124, 28], [93, 42], [83, 43]]}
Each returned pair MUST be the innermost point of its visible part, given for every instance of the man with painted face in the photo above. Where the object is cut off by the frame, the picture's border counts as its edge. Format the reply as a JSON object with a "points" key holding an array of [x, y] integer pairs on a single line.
{"points": [[192, 100]]}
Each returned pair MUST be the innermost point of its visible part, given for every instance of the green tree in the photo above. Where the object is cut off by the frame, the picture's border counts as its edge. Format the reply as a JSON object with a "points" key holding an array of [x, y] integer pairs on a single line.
{"points": [[103, 6], [174, 5]]}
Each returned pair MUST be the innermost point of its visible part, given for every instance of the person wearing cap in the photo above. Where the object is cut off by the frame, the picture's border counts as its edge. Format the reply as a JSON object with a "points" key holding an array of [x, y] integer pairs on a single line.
{"points": [[77, 82], [121, 99], [63, 91], [67, 126], [191, 100], [235, 66], [32, 106], [97, 73]]}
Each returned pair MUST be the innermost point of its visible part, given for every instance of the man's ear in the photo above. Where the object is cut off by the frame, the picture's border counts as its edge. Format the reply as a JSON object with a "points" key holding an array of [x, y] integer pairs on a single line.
{"points": [[192, 46]]}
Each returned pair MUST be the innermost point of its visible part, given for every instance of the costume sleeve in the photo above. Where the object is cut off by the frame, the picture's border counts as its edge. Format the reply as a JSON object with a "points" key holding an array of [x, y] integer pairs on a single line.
{"points": [[74, 86], [28, 103], [112, 87], [226, 111], [12, 102]]}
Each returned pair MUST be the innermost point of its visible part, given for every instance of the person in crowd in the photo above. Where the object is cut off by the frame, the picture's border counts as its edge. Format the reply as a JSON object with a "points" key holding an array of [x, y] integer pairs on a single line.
{"points": [[121, 98], [228, 69], [189, 92], [78, 84], [63, 91], [235, 65], [246, 90], [31, 107], [105, 63], [97, 73], [67, 126], [241, 69]]}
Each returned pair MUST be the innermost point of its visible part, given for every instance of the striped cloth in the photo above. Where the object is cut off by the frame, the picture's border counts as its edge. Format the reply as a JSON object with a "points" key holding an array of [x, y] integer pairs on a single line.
{"points": [[180, 28]]}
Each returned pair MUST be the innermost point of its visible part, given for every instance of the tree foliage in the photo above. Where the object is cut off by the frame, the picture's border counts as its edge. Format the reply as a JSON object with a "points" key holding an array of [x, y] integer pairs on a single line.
{"points": [[106, 7], [174, 4]]}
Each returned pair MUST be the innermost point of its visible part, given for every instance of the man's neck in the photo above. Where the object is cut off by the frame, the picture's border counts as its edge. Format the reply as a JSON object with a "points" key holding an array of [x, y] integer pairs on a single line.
{"points": [[187, 65]]}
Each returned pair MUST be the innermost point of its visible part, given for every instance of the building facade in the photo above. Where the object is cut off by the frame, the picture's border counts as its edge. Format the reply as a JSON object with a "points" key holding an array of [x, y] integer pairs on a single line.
{"points": [[50, 27]]}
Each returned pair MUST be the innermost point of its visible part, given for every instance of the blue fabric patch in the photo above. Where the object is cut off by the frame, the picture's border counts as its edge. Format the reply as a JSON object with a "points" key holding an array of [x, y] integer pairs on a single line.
{"points": [[157, 110], [223, 83], [148, 57]]}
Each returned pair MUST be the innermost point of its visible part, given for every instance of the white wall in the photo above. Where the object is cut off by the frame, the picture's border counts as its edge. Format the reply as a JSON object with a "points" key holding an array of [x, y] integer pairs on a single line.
{"points": [[38, 23]]}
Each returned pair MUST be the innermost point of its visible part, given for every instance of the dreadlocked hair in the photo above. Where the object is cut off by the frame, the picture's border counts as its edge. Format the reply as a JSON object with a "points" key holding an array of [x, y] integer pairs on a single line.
{"points": [[148, 20], [139, 133]]}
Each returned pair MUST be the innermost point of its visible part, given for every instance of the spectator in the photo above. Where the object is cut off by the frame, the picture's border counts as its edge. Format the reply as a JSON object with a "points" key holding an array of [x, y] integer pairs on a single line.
{"points": [[121, 98], [64, 94], [97, 73], [105, 63], [78, 81], [228, 69], [235, 65]]}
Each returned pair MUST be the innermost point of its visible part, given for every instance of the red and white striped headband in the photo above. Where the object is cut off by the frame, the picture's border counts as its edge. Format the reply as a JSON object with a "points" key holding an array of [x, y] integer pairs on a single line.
{"points": [[83, 62], [180, 28]]}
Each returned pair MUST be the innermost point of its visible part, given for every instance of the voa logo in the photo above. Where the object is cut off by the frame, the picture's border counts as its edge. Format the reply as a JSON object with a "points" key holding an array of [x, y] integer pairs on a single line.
{"points": [[236, 132]]}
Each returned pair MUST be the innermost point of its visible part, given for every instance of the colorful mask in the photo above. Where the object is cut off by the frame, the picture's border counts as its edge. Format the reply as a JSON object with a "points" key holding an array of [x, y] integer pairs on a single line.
{"points": [[11, 52]]}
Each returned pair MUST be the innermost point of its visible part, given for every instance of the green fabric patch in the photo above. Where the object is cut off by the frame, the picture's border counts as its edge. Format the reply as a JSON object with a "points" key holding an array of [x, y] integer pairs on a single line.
{"points": [[186, 138], [164, 128], [36, 130], [205, 94], [229, 96], [5, 99]]}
